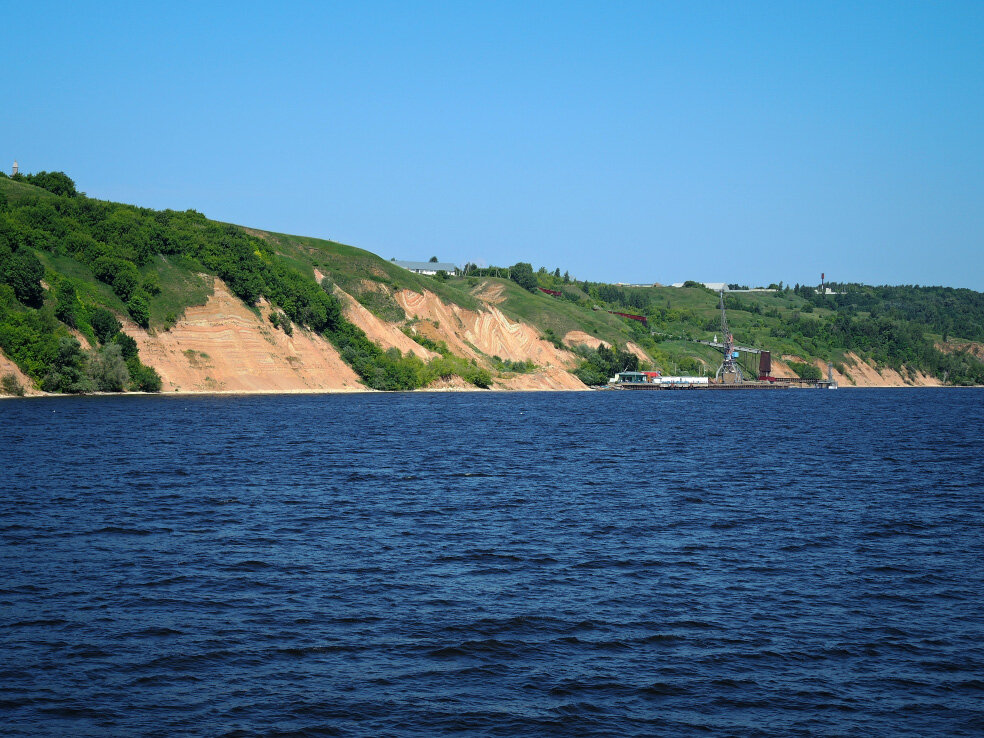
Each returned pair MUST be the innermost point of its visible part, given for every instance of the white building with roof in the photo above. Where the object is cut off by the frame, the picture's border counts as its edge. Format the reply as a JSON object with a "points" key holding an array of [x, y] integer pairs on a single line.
{"points": [[428, 267], [716, 286]]}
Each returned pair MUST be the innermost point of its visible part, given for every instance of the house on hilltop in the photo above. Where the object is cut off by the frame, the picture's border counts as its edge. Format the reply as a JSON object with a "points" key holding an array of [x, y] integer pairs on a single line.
{"points": [[428, 267], [716, 286]]}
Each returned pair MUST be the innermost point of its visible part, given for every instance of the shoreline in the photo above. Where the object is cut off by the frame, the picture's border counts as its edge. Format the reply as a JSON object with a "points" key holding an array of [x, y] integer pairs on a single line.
{"points": [[366, 391]]}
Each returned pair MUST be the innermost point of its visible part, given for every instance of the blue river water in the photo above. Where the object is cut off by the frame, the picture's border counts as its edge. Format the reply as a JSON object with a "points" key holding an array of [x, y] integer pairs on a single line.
{"points": [[797, 562]]}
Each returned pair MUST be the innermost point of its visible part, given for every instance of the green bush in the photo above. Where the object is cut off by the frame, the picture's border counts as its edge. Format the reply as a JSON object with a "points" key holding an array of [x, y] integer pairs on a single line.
{"points": [[523, 275], [144, 378], [23, 271], [139, 310], [58, 183], [108, 370], [10, 386], [602, 363], [67, 371], [806, 371], [104, 324]]}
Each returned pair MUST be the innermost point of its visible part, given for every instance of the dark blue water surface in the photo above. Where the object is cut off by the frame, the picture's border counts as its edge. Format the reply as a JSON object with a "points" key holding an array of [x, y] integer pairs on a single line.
{"points": [[611, 563]]}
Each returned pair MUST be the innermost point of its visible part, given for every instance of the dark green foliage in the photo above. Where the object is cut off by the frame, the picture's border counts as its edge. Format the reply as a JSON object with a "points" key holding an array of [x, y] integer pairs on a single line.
{"points": [[23, 271], [448, 365], [509, 365], [128, 347], [942, 309], [602, 363], [471, 270], [104, 324], [67, 371], [139, 310], [550, 335], [378, 369], [280, 320], [67, 304], [523, 275], [57, 183], [151, 284], [120, 274], [108, 370], [29, 338], [143, 378], [806, 371], [439, 347]]}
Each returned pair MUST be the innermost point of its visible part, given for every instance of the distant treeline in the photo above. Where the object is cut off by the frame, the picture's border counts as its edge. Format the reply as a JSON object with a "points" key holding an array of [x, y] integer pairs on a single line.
{"points": [[886, 324], [948, 311]]}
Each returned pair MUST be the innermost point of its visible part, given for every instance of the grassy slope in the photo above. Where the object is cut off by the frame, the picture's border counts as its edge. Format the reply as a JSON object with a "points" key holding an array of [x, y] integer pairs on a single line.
{"points": [[350, 267], [560, 316], [17, 191], [183, 281]]}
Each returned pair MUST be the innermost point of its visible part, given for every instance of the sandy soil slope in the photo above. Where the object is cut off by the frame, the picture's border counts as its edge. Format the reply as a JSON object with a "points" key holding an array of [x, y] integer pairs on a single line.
{"points": [[9, 367], [580, 338], [470, 334], [638, 351], [862, 373], [224, 346], [551, 378], [379, 331], [490, 292], [956, 347]]}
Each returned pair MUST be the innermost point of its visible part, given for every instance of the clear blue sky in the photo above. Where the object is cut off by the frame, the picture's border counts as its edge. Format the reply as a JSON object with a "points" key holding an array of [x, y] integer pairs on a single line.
{"points": [[719, 141]]}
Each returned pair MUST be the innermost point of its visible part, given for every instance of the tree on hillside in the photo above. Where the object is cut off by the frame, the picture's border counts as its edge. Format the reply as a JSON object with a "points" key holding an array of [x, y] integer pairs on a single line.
{"points": [[67, 303], [24, 272], [522, 274], [66, 371], [57, 183], [104, 324], [433, 260], [108, 369]]}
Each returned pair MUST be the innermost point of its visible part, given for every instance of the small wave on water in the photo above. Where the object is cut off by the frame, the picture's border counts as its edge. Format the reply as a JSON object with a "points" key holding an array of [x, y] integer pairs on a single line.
{"points": [[302, 565]]}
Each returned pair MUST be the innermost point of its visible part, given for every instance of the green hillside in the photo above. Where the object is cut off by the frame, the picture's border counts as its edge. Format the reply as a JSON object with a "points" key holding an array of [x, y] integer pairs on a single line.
{"points": [[71, 265]]}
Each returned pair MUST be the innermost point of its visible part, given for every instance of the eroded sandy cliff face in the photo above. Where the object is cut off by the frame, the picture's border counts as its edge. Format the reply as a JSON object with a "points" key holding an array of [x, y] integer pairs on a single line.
{"points": [[224, 346], [974, 348], [580, 338], [379, 331], [471, 334], [860, 373], [488, 332], [9, 367]]}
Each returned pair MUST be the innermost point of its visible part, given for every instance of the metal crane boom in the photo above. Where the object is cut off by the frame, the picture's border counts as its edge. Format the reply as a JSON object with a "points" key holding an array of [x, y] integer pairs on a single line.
{"points": [[729, 367]]}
